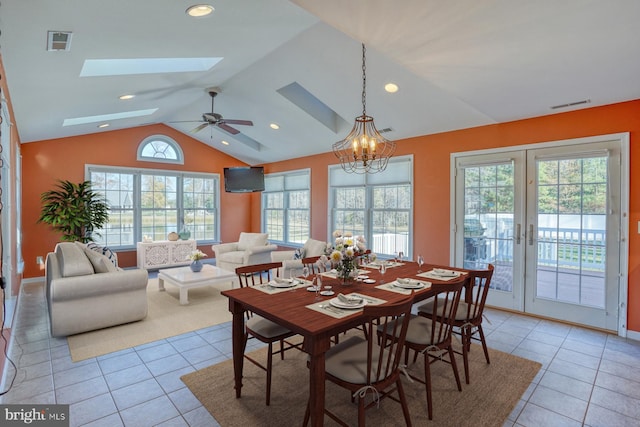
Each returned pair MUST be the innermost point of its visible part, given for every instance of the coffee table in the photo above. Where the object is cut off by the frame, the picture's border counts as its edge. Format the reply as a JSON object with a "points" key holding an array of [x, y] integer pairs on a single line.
{"points": [[185, 279]]}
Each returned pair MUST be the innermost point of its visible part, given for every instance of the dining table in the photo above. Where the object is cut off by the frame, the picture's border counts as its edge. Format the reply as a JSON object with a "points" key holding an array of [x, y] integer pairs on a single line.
{"points": [[318, 319]]}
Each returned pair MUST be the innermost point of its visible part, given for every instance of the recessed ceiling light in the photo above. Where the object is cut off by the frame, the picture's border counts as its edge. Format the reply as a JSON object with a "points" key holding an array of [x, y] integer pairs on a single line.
{"points": [[200, 10], [224, 142], [391, 87], [125, 97], [274, 126], [103, 125]]}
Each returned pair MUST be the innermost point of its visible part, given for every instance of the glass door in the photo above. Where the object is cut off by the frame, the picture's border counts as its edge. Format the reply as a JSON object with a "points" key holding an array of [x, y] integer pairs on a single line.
{"points": [[549, 220]]}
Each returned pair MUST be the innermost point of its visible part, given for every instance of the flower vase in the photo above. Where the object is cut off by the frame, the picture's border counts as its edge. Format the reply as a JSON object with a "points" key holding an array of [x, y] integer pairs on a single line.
{"points": [[196, 266]]}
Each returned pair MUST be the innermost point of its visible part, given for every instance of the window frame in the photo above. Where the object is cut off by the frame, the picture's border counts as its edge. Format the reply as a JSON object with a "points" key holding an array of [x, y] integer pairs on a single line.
{"points": [[285, 208], [371, 182], [137, 192], [163, 138]]}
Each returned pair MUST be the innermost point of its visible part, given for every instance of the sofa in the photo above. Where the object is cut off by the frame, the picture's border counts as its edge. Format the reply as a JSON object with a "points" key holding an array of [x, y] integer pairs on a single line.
{"points": [[250, 249], [292, 260], [87, 291]]}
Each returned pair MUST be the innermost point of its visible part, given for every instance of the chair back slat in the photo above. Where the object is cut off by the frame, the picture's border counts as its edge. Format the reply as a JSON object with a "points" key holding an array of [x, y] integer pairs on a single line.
{"points": [[445, 305], [481, 281], [385, 350]]}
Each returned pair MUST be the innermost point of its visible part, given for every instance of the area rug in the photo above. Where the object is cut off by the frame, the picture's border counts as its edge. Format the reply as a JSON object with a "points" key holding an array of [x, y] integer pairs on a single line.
{"points": [[166, 318], [493, 393]]}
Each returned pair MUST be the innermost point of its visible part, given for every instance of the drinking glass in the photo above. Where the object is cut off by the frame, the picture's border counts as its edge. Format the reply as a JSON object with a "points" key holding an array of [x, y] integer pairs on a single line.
{"points": [[400, 256], [383, 269], [305, 272], [318, 286], [420, 262]]}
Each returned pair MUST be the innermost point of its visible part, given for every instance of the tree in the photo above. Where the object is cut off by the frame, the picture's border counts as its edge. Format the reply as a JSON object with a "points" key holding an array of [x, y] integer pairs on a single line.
{"points": [[75, 210]]}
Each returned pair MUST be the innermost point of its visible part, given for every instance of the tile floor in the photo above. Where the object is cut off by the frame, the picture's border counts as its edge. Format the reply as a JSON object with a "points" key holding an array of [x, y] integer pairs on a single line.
{"points": [[588, 378]]}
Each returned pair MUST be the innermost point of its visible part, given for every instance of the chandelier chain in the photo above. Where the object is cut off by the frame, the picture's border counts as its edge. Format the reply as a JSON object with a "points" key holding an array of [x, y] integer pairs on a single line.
{"points": [[364, 82]]}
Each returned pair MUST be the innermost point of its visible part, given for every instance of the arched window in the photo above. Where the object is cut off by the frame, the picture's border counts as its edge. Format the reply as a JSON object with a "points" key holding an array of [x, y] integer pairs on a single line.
{"points": [[160, 149]]}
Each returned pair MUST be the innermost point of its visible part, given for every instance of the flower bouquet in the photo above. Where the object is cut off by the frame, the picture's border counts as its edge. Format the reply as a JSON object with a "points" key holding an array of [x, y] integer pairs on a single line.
{"points": [[344, 254], [195, 257]]}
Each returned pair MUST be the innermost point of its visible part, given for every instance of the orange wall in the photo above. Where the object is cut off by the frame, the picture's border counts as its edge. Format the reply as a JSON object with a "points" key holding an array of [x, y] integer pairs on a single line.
{"points": [[432, 175], [44, 162]]}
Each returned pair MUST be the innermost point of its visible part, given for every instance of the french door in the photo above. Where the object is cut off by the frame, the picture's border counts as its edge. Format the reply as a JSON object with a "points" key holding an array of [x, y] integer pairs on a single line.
{"points": [[549, 218]]}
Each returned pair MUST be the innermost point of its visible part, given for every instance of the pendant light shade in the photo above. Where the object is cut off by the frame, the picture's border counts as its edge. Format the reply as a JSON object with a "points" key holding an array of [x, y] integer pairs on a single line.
{"points": [[364, 150]]}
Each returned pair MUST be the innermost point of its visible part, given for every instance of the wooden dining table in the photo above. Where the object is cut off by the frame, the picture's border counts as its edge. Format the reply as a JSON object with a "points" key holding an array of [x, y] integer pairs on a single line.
{"points": [[291, 309]]}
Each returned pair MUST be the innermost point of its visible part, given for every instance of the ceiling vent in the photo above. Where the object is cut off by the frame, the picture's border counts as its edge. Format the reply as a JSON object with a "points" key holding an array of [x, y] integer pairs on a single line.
{"points": [[571, 104], [58, 40]]}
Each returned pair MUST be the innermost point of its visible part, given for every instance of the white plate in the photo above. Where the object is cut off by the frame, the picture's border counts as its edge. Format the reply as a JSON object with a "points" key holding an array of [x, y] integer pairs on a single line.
{"points": [[410, 285], [327, 293], [282, 284], [369, 281], [362, 277], [311, 288], [336, 303]]}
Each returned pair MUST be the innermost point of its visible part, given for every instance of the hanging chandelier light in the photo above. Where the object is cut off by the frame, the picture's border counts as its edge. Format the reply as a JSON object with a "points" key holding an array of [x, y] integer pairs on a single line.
{"points": [[364, 150]]}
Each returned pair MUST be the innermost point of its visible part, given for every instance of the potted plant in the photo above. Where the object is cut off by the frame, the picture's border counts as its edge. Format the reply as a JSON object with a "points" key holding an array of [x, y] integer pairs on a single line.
{"points": [[196, 260], [75, 210]]}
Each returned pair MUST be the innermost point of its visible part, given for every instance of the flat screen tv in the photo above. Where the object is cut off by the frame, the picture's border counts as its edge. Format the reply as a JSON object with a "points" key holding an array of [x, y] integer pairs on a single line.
{"points": [[244, 179]]}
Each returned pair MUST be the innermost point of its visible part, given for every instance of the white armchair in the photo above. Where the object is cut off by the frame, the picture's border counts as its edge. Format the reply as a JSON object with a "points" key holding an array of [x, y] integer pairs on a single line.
{"points": [[250, 249], [291, 265]]}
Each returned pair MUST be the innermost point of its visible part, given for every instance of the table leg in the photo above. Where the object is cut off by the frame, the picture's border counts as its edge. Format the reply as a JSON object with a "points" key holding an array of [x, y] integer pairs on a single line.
{"points": [[184, 298], [238, 335], [317, 347], [160, 284]]}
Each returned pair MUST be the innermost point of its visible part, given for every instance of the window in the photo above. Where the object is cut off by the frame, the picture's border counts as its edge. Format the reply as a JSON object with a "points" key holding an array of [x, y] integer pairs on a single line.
{"points": [[377, 206], [160, 148], [286, 207], [146, 202]]}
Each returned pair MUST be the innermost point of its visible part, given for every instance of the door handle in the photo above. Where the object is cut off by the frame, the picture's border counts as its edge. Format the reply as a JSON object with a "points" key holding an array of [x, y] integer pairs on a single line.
{"points": [[518, 234], [530, 234]]}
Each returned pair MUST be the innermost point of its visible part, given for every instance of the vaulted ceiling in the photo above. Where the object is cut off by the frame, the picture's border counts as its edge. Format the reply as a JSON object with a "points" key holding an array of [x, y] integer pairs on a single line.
{"points": [[458, 64]]}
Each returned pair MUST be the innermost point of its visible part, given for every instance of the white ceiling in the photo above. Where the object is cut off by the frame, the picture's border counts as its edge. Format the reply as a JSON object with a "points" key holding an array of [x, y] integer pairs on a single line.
{"points": [[459, 64]]}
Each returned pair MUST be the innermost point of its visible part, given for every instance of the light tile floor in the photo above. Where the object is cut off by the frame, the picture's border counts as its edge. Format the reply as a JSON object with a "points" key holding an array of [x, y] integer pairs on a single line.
{"points": [[588, 378]]}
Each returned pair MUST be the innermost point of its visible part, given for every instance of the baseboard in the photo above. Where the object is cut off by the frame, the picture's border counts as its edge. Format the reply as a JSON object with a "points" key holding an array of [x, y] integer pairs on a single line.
{"points": [[633, 335], [32, 280]]}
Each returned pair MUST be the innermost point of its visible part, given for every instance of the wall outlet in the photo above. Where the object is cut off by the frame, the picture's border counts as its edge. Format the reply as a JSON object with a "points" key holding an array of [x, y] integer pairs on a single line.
{"points": [[39, 260]]}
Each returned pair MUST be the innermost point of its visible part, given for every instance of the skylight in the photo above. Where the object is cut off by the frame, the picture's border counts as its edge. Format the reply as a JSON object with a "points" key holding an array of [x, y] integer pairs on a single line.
{"points": [[119, 67], [108, 117]]}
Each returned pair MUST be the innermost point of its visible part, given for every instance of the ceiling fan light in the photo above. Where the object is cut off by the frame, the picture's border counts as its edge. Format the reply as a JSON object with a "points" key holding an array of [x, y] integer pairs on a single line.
{"points": [[200, 10]]}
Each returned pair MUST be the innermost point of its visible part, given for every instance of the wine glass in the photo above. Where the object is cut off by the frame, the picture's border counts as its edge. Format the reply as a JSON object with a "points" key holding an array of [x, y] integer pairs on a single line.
{"points": [[305, 272], [318, 286], [383, 269], [400, 256], [420, 262]]}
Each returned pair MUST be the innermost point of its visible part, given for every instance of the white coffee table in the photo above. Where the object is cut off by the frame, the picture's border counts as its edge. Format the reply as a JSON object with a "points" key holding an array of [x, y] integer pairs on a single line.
{"points": [[185, 279]]}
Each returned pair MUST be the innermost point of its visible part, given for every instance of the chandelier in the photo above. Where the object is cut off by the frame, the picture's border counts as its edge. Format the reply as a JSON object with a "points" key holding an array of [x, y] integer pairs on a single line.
{"points": [[364, 150]]}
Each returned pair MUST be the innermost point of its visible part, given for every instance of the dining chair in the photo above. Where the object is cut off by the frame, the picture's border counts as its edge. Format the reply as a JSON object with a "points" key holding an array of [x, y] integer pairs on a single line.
{"points": [[257, 326], [368, 366], [430, 334], [467, 321], [311, 263]]}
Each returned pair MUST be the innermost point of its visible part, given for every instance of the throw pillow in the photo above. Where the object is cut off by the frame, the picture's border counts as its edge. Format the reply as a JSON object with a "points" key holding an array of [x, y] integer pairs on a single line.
{"points": [[299, 253], [101, 263], [104, 251]]}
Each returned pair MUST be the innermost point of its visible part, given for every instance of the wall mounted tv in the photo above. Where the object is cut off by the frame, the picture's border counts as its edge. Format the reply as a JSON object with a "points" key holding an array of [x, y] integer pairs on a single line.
{"points": [[244, 179]]}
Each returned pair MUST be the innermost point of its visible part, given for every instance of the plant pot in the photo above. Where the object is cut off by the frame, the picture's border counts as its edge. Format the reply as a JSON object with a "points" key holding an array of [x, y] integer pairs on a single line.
{"points": [[196, 266]]}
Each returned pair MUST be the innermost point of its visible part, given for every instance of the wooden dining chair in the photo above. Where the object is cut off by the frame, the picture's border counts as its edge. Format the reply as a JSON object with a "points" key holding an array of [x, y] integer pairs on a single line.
{"points": [[311, 263], [430, 334], [467, 321], [257, 326], [368, 366]]}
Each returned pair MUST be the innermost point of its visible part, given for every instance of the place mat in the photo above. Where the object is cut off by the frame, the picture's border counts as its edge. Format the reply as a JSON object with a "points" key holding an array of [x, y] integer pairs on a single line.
{"points": [[325, 308], [268, 289], [334, 275], [390, 287], [390, 264], [431, 275]]}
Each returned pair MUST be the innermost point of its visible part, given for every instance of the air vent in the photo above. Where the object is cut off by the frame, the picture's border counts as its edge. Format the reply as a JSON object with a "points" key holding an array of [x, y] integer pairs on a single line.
{"points": [[385, 130], [571, 104], [58, 40]]}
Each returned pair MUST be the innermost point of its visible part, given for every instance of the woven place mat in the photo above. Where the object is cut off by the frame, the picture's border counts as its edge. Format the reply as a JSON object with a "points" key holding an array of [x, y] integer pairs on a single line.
{"points": [[335, 275], [431, 275], [325, 308], [392, 288], [268, 289], [390, 264]]}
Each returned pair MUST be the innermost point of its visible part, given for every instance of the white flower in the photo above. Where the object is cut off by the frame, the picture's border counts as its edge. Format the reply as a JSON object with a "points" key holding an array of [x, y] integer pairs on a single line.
{"points": [[196, 255], [336, 256], [337, 234]]}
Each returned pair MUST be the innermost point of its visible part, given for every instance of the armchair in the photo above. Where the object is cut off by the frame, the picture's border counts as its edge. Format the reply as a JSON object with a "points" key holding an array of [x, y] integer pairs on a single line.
{"points": [[291, 265], [250, 249]]}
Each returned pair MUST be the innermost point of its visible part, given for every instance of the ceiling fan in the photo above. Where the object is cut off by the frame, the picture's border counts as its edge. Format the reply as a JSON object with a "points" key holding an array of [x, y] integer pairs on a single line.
{"points": [[215, 119]]}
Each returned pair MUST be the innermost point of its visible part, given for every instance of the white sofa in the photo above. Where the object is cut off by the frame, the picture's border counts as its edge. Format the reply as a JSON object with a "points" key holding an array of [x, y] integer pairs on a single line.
{"points": [[293, 265], [86, 291], [250, 249]]}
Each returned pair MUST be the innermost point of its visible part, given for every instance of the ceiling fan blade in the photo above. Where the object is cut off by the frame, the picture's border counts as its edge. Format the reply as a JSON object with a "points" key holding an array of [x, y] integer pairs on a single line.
{"points": [[239, 122], [228, 128], [199, 128]]}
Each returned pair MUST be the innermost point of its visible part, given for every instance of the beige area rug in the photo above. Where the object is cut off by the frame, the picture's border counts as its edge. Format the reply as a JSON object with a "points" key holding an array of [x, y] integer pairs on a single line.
{"points": [[493, 393], [166, 318]]}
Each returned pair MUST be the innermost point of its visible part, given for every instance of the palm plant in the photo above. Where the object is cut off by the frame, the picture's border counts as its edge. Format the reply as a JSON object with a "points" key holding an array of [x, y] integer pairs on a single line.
{"points": [[75, 210]]}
